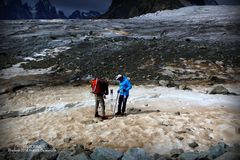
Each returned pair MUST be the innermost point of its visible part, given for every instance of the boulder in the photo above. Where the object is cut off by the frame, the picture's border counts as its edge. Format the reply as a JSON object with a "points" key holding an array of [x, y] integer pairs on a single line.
{"points": [[184, 87], [3, 155], [163, 83], [193, 145], [12, 153], [229, 156], [157, 156], [219, 90], [234, 148], [136, 154], [9, 114], [177, 113], [81, 156], [41, 150], [193, 156], [176, 152], [105, 154], [217, 150], [66, 155], [77, 149], [217, 79], [188, 156]]}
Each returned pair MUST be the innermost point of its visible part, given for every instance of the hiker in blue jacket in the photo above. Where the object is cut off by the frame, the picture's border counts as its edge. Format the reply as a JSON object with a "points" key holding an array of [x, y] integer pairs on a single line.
{"points": [[124, 87]]}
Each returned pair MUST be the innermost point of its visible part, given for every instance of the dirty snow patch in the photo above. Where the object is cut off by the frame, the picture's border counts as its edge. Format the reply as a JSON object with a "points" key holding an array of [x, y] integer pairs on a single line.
{"points": [[17, 70]]}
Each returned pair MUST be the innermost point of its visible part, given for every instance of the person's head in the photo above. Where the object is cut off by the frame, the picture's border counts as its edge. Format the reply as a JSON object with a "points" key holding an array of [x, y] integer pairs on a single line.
{"points": [[119, 77]]}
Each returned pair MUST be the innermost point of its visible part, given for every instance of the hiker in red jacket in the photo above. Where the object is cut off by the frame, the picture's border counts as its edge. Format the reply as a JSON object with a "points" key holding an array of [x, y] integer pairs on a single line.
{"points": [[100, 89]]}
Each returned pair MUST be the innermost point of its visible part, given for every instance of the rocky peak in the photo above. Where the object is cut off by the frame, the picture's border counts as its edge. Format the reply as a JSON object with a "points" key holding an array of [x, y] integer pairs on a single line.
{"points": [[84, 15], [13, 9], [45, 10], [76, 15], [61, 15]]}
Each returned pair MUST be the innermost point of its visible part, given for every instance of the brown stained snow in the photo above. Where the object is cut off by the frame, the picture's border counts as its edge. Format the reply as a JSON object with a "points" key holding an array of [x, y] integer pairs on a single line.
{"points": [[155, 131]]}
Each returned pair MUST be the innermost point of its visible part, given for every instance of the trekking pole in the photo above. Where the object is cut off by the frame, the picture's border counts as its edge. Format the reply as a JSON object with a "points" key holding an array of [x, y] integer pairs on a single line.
{"points": [[115, 104], [111, 93]]}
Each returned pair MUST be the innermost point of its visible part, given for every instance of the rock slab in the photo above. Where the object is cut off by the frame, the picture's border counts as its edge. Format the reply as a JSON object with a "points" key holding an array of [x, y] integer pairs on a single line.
{"points": [[136, 154], [105, 154]]}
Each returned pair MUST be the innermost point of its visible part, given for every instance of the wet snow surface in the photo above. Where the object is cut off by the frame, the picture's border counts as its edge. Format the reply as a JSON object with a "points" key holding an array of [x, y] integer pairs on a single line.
{"points": [[69, 113]]}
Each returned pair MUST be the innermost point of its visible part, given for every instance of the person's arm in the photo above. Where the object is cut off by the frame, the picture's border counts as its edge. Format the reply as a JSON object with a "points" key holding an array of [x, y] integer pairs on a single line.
{"points": [[128, 86]]}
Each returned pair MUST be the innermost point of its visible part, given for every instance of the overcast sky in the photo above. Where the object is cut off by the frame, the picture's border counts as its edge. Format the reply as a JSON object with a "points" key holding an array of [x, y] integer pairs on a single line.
{"points": [[68, 6]]}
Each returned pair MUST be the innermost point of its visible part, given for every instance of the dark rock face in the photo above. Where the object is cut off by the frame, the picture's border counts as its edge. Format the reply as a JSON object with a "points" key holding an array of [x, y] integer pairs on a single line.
{"points": [[61, 15], [76, 15], [14, 9], [84, 15], [45, 10], [131, 8]]}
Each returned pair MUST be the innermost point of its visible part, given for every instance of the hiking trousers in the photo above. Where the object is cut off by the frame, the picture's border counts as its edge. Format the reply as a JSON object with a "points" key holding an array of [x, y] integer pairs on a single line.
{"points": [[122, 102], [99, 100]]}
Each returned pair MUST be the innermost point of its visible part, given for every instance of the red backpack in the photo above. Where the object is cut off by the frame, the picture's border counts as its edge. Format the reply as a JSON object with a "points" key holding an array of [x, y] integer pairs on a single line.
{"points": [[99, 86]]}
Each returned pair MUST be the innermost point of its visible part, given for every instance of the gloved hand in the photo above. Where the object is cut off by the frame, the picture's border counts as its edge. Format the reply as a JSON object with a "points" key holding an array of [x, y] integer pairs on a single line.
{"points": [[118, 91]]}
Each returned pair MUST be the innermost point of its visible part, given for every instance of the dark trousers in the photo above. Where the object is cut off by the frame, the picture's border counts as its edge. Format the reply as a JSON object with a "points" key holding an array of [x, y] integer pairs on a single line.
{"points": [[122, 104]]}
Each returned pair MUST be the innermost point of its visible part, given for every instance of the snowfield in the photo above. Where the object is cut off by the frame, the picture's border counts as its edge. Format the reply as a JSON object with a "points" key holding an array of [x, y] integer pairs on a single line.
{"points": [[206, 119], [196, 14]]}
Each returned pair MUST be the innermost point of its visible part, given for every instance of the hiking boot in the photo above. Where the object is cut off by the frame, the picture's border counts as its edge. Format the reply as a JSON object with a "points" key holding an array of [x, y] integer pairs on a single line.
{"points": [[123, 114], [104, 117], [96, 115], [117, 114]]}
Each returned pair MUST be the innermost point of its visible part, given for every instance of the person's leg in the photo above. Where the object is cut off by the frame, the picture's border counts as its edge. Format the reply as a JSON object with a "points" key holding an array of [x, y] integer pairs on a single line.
{"points": [[96, 105], [120, 100], [101, 99], [124, 104]]}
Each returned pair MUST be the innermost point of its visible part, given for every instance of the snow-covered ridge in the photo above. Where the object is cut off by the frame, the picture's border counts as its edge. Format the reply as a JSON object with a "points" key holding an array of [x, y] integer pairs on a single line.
{"points": [[195, 14]]}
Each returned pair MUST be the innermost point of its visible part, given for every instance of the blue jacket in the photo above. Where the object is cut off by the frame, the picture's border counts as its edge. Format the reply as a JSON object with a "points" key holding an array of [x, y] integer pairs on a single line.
{"points": [[125, 86]]}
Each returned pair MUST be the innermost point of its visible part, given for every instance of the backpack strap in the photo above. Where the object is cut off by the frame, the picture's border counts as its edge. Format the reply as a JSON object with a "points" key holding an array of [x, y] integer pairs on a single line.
{"points": [[95, 86]]}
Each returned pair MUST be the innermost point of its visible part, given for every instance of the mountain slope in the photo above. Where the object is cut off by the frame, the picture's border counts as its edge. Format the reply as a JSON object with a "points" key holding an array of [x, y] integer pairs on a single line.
{"points": [[45, 10], [131, 8], [14, 9]]}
